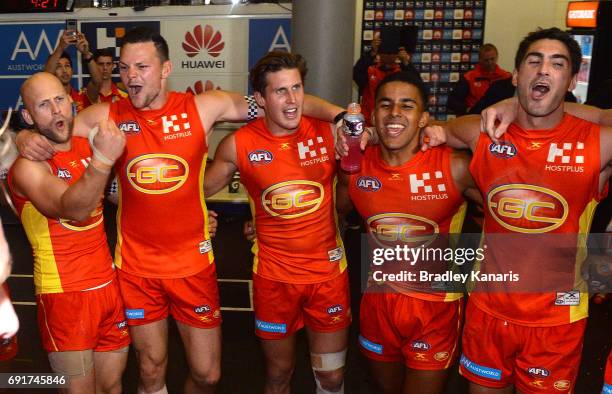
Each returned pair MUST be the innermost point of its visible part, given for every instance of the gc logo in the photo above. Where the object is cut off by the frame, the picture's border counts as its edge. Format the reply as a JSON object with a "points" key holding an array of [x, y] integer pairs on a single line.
{"points": [[157, 173], [292, 199], [527, 208], [393, 228]]}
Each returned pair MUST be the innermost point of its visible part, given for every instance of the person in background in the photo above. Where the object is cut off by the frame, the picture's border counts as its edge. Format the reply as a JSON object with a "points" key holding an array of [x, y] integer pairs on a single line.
{"points": [[109, 91], [475, 83], [60, 64], [360, 69], [392, 57]]}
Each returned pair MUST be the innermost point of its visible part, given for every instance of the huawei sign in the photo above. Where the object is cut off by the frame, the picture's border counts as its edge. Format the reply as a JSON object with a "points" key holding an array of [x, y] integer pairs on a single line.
{"points": [[199, 39]]}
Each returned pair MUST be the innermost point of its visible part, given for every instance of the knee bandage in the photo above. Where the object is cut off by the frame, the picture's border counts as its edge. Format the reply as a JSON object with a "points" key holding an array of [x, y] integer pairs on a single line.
{"points": [[327, 362], [72, 363], [163, 390]]}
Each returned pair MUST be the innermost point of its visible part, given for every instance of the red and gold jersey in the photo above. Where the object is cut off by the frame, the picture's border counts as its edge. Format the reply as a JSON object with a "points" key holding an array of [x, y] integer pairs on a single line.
{"points": [[291, 185], [68, 255], [114, 95], [540, 188], [162, 221], [80, 99], [415, 204]]}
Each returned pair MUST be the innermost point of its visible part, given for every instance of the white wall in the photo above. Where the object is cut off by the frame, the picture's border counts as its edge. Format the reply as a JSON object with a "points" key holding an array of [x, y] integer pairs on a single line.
{"points": [[508, 21]]}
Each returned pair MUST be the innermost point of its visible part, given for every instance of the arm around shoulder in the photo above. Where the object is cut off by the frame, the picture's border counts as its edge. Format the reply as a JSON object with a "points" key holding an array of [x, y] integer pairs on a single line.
{"points": [[225, 163]]}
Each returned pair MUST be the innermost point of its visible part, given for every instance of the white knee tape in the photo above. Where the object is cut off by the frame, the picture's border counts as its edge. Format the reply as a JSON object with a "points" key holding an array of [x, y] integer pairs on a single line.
{"points": [[163, 390], [328, 361], [321, 390]]}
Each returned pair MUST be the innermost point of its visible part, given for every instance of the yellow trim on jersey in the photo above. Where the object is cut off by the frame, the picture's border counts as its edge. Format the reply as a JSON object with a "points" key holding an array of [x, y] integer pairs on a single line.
{"points": [[454, 232], [581, 310], [46, 274], [210, 255], [255, 247], [343, 262], [118, 261]]}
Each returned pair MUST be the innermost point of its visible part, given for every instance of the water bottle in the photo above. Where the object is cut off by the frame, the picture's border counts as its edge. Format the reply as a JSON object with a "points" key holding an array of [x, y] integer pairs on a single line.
{"points": [[352, 127]]}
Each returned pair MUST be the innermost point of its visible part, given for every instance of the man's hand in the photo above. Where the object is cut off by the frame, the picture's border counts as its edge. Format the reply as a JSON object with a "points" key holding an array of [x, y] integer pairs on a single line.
{"points": [[34, 146], [213, 223], [403, 56], [9, 324], [368, 137], [109, 141], [432, 135], [70, 37], [82, 44], [504, 112], [248, 230]]}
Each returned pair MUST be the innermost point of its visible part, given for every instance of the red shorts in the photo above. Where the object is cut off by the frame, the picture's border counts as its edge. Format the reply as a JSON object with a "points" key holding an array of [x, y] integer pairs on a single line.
{"points": [[422, 334], [193, 300], [607, 387], [281, 308], [82, 320], [497, 353], [8, 346]]}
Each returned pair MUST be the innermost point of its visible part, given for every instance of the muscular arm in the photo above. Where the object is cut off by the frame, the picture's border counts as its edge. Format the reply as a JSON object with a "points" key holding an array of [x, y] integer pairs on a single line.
{"points": [[460, 163], [219, 173], [89, 118], [221, 106], [94, 85], [602, 117], [64, 42], [54, 197], [343, 201], [462, 132]]}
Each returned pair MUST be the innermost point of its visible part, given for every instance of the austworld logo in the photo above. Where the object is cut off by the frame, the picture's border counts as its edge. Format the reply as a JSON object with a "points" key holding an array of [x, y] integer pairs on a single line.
{"points": [[199, 39]]}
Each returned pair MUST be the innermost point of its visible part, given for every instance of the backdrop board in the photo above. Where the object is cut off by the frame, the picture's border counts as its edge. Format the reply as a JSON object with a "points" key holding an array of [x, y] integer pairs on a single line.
{"points": [[450, 34]]}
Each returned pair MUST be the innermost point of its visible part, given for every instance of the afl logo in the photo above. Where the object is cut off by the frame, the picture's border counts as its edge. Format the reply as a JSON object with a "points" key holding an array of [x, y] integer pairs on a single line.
{"points": [[129, 127], [527, 208], [420, 345], [157, 173], [332, 310], [202, 309], [541, 372], [391, 228], [368, 183], [260, 157], [292, 199], [503, 150]]}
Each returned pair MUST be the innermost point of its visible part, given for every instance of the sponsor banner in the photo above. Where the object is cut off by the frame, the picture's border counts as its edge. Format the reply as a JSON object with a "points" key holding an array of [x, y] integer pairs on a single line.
{"points": [[109, 34], [371, 346], [480, 370], [207, 45], [10, 93], [267, 35], [200, 82], [26, 47]]}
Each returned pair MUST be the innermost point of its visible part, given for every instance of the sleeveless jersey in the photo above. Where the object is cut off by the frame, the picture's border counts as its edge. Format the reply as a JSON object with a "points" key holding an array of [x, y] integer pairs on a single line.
{"points": [[540, 189], [162, 221], [68, 255], [414, 204], [291, 185]]}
